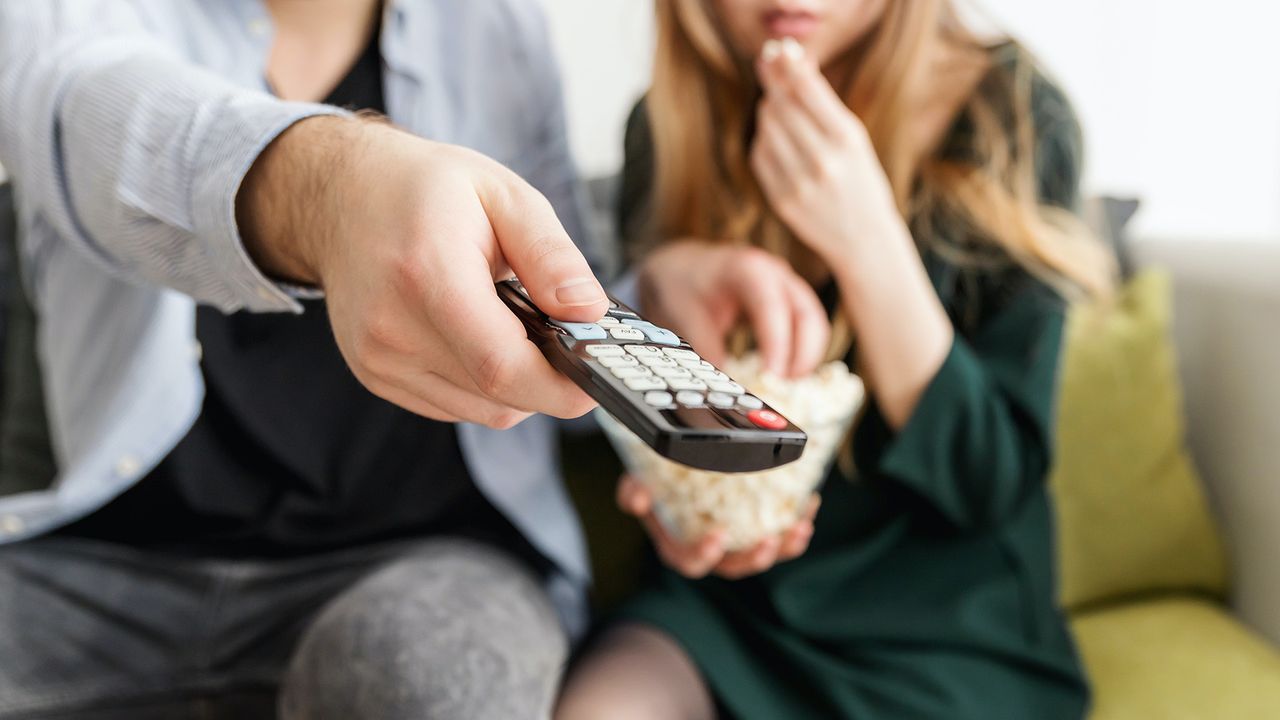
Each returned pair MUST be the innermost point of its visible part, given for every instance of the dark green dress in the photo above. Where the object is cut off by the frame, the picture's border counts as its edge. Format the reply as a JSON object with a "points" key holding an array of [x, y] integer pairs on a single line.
{"points": [[928, 591]]}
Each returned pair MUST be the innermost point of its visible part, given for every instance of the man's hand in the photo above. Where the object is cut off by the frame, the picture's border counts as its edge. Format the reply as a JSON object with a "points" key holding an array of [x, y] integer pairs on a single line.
{"points": [[697, 558], [407, 237], [703, 290]]}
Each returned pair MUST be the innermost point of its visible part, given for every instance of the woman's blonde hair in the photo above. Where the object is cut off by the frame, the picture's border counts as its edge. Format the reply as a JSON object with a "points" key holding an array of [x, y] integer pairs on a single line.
{"points": [[701, 112]]}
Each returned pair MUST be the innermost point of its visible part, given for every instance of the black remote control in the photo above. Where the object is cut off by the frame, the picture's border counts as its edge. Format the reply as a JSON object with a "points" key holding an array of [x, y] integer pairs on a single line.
{"points": [[656, 385]]}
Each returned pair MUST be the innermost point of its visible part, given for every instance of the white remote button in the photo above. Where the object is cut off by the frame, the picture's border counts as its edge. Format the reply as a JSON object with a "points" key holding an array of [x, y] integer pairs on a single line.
{"points": [[750, 402], [604, 350], [696, 364], [732, 388], [711, 375], [670, 372], [622, 332], [689, 398], [622, 373], [608, 321], [681, 354], [720, 400], [658, 398], [642, 350], [658, 361], [616, 361], [646, 383], [686, 384]]}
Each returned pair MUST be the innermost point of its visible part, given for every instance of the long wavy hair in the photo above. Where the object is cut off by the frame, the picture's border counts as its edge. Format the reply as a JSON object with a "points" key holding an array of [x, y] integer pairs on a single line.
{"points": [[701, 109]]}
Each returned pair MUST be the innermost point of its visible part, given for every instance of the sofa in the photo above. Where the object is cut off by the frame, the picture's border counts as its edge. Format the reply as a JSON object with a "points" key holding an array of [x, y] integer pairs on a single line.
{"points": [[1189, 655]]}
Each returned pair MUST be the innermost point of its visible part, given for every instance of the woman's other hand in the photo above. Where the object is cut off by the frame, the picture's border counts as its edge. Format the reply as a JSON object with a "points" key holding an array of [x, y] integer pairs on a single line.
{"points": [[702, 290], [815, 162], [707, 555]]}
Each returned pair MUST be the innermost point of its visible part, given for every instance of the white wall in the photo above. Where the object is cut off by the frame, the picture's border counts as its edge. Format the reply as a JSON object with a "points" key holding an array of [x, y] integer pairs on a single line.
{"points": [[1180, 103]]}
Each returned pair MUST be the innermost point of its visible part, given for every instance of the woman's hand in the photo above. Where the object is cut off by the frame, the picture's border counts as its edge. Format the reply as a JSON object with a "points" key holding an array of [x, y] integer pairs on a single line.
{"points": [[702, 290], [820, 173], [815, 162], [707, 555]]}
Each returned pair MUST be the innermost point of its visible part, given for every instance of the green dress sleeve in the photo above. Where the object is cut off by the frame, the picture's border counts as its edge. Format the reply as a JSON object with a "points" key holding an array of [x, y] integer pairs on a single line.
{"points": [[979, 442]]}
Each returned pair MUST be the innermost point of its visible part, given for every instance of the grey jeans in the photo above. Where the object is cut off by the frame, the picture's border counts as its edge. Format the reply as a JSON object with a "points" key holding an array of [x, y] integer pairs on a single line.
{"points": [[434, 629]]}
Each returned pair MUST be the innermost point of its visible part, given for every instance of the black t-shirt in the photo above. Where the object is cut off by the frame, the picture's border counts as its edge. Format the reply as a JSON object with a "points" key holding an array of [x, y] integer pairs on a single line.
{"points": [[290, 453]]}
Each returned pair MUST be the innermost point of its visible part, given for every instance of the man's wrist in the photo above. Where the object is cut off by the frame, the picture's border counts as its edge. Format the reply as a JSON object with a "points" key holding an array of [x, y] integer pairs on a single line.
{"points": [[283, 208]]}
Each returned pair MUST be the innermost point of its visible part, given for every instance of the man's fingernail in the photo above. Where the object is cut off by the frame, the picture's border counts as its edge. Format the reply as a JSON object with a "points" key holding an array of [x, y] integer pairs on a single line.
{"points": [[771, 50], [579, 292]]}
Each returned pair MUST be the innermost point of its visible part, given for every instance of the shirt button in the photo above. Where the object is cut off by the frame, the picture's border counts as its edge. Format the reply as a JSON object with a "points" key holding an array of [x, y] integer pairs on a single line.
{"points": [[197, 351], [259, 27], [11, 524], [127, 466]]}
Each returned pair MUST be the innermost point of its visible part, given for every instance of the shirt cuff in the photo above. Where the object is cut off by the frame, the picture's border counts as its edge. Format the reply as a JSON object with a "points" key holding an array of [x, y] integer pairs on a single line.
{"points": [[919, 455], [245, 128]]}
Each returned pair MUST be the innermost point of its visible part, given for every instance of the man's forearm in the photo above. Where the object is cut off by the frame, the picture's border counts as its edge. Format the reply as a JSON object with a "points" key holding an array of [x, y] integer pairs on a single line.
{"points": [[286, 206]]}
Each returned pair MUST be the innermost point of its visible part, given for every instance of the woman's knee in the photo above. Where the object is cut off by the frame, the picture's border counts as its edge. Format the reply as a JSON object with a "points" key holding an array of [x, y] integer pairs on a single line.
{"points": [[457, 631], [636, 672]]}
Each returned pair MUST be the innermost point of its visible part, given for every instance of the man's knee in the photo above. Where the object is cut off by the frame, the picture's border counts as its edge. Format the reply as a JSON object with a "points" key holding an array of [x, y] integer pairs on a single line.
{"points": [[458, 631]]}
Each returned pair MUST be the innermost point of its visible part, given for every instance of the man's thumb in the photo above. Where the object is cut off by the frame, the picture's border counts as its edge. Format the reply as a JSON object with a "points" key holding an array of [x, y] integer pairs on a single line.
{"points": [[540, 252]]}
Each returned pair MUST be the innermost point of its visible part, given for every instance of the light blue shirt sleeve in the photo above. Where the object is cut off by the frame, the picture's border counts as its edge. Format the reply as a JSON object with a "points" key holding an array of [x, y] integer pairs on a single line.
{"points": [[131, 153]]}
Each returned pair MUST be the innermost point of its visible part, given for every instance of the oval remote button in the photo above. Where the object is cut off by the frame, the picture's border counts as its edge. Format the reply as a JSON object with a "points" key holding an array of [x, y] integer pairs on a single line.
{"points": [[614, 361], [622, 373], [658, 398], [658, 361], [646, 383], [642, 349], [732, 388], [622, 332], [662, 336], [599, 350], [689, 398], [712, 375], [686, 384], [750, 402], [696, 364], [670, 372], [608, 321], [582, 331], [720, 400], [681, 354], [767, 419]]}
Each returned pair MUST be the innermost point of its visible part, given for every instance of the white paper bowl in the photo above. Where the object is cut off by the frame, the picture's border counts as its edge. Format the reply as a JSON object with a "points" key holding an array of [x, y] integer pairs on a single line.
{"points": [[753, 505]]}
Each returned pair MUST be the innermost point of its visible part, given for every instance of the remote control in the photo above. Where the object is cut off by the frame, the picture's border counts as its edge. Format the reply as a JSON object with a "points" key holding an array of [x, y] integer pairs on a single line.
{"points": [[656, 385]]}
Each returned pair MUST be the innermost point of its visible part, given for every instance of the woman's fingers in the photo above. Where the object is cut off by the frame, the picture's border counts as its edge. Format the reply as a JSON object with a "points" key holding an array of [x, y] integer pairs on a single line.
{"points": [[794, 159], [692, 560], [762, 290], [795, 541], [811, 327], [756, 560], [797, 76], [633, 497], [804, 144]]}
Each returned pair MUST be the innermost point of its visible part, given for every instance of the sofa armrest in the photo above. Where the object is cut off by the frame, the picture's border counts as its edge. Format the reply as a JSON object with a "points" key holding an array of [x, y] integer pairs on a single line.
{"points": [[1227, 330]]}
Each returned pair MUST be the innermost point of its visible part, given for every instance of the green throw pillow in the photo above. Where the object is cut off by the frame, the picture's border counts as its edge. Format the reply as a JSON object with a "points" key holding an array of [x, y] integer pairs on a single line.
{"points": [[1132, 516]]}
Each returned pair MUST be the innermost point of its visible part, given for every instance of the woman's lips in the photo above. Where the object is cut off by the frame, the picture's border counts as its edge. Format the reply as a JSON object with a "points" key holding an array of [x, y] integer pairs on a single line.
{"points": [[790, 24]]}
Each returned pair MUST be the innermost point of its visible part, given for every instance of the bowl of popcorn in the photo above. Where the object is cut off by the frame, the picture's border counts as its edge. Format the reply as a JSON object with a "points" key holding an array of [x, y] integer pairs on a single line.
{"points": [[750, 506]]}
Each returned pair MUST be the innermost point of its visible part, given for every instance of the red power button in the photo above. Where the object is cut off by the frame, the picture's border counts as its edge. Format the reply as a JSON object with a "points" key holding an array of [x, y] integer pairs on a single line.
{"points": [[767, 419]]}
